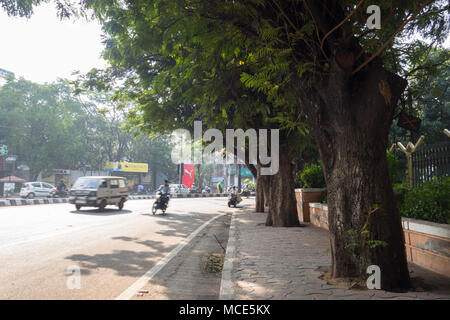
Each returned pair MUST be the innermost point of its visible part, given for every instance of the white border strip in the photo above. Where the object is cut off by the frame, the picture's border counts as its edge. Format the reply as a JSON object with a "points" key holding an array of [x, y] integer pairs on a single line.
{"points": [[226, 284], [142, 281]]}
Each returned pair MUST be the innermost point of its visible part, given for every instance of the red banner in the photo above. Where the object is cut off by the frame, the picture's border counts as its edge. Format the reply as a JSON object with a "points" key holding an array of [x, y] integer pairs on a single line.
{"points": [[188, 175]]}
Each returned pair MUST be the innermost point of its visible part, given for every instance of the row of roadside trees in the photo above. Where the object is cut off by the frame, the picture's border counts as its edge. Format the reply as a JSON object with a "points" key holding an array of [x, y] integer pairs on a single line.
{"points": [[301, 66], [48, 127]]}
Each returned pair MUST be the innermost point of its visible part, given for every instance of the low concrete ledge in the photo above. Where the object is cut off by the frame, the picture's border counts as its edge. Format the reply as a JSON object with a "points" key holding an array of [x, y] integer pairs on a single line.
{"points": [[427, 243], [308, 190], [431, 228], [304, 197], [318, 205]]}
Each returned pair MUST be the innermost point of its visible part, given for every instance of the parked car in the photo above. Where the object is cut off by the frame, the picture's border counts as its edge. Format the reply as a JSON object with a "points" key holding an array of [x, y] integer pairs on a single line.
{"points": [[37, 189], [99, 192], [178, 188]]}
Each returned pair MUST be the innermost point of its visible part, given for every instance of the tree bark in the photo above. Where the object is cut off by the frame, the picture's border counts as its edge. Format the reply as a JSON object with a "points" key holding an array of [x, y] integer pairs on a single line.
{"points": [[350, 119], [265, 180], [259, 191], [282, 202]]}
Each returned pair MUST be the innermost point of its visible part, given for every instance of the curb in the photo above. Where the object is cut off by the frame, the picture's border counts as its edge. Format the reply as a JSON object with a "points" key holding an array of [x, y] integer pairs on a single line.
{"points": [[226, 283], [23, 202]]}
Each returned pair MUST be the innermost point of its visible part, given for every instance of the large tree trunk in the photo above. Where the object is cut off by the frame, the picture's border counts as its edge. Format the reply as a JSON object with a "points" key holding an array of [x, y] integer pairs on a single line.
{"points": [[282, 202], [265, 180], [350, 119], [259, 191]]}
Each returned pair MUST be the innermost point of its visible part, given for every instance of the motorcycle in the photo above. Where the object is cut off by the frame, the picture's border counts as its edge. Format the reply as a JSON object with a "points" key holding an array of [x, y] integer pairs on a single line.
{"points": [[206, 190], [161, 203], [245, 193], [232, 200], [59, 193]]}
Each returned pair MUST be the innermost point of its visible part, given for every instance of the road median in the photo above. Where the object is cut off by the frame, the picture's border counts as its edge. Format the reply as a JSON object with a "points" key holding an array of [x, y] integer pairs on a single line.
{"points": [[23, 202]]}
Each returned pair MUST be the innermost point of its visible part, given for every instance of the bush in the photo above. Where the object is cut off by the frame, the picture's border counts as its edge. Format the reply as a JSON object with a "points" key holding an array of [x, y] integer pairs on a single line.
{"points": [[298, 183], [430, 202], [251, 184], [394, 167], [310, 177]]}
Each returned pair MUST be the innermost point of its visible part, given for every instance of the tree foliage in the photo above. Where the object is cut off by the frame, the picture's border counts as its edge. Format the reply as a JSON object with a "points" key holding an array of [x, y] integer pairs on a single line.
{"points": [[49, 127]]}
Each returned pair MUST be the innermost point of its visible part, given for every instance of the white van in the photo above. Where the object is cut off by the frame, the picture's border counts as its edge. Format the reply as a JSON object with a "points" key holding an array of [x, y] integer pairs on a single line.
{"points": [[99, 192]]}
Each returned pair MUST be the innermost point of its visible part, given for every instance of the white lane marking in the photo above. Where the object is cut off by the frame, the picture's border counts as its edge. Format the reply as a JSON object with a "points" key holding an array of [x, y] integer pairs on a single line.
{"points": [[142, 281]]}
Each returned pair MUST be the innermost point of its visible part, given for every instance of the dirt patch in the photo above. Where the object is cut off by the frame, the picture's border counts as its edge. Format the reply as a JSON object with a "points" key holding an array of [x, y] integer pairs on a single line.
{"points": [[349, 283], [213, 263]]}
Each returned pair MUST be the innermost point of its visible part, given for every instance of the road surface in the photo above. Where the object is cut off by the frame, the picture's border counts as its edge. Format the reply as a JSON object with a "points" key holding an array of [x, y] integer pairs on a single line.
{"points": [[44, 247]]}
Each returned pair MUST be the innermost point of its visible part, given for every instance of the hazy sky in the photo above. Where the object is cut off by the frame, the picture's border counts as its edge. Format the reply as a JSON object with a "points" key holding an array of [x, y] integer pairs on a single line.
{"points": [[44, 48]]}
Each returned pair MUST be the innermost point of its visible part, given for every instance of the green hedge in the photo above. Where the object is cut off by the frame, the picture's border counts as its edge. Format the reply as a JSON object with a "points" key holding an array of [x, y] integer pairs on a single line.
{"points": [[430, 202], [310, 177]]}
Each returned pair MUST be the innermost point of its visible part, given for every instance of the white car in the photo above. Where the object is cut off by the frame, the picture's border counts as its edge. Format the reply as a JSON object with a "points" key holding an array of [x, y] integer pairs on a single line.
{"points": [[178, 188], [37, 189]]}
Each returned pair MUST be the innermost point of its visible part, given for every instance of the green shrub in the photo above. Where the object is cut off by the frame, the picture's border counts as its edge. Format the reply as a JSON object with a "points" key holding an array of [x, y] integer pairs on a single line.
{"points": [[250, 183], [298, 181], [430, 202], [394, 167], [310, 177]]}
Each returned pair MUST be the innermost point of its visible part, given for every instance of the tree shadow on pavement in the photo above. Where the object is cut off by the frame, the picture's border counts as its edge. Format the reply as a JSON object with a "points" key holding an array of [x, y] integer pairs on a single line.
{"points": [[125, 262], [137, 261], [182, 225]]}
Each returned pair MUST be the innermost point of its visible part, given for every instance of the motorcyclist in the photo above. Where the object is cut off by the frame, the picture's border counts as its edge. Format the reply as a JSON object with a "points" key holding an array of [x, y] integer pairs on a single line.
{"points": [[245, 190], [165, 190], [236, 193], [61, 187]]}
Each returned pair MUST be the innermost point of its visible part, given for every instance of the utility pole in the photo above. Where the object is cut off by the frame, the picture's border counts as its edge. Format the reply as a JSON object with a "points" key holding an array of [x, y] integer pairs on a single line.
{"points": [[180, 175]]}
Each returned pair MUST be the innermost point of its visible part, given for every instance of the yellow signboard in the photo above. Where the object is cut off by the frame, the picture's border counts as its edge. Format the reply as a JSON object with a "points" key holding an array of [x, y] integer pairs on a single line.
{"points": [[126, 167]]}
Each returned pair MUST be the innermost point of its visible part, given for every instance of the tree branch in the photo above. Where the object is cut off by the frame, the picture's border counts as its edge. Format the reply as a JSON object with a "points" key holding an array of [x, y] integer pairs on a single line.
{"points": [[316, 27], [340, 23], [384, 46]]}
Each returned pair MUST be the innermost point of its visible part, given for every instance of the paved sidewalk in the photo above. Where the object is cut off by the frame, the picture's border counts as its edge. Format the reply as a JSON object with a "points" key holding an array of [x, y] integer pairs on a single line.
{"points": [[280, 263], [185, 277]]}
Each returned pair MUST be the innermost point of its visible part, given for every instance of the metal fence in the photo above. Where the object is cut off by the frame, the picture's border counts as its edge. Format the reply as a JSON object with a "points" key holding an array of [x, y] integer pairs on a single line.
{"points": [[430, 162]]}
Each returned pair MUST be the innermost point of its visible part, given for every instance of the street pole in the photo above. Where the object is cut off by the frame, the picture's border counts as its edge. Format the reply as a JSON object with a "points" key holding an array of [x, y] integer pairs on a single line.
{"points": [[180, 176]]}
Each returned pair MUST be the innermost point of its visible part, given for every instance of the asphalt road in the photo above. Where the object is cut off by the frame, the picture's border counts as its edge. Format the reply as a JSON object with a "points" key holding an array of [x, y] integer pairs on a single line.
{"points": [[43, 248]]}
